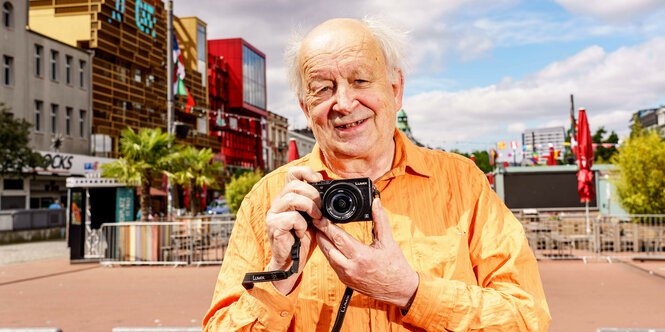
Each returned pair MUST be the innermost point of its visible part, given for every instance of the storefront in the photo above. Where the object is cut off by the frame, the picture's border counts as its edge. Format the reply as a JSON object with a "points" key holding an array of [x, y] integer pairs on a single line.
{"points": [[48, 185]]}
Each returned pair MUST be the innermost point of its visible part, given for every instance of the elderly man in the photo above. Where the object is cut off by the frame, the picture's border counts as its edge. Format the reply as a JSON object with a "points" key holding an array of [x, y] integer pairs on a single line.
{"points": [[442, 251]]}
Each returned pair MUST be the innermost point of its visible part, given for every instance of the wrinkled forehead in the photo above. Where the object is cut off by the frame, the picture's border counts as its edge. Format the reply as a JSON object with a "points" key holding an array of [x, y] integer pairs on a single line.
{"points": [[337, 41]]}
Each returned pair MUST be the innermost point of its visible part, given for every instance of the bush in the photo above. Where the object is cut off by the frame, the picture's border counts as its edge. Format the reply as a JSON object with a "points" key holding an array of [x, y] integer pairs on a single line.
{"points": [[239, 186], [641, 182]]}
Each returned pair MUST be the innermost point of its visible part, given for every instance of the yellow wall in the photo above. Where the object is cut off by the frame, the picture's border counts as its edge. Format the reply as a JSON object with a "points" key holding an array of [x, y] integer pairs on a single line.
{"points": [[185, 28], [68, 29]]}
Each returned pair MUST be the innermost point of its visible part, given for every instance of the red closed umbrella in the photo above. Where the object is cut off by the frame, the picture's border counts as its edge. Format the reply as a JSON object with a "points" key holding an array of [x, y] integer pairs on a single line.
{"points": [[585, 186], [293, 150]]}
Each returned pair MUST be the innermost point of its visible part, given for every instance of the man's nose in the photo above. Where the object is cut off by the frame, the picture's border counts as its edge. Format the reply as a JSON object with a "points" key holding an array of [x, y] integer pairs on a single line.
{"points": [[345, 100]]}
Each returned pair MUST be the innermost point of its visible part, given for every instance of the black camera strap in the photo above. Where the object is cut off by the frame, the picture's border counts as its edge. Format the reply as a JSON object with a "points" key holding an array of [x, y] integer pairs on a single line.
{"points": [[254, 277]]}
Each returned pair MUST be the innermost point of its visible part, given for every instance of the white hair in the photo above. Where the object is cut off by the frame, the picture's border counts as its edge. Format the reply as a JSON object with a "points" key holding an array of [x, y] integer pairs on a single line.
{"points": [[392, 41]]}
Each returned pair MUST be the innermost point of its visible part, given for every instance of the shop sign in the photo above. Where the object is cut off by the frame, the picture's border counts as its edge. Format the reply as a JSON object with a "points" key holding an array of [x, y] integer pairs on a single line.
{"points": [[72, 164]]}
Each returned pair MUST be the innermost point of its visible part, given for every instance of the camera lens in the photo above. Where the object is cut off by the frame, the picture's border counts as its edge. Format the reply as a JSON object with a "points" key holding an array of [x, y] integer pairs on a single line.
{"points": [[341, 202]]}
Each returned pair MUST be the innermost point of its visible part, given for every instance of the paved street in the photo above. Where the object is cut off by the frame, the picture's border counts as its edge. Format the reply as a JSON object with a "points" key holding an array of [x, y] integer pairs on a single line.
{"points": [[87, 297]]}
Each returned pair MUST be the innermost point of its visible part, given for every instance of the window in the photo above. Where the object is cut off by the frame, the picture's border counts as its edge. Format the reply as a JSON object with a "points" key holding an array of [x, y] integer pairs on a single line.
{"points": [[202, 55], [82, 74], [7, 70], [68, 121], [39, 50], [68, 69], [54, 65], [82, 123], [253, 78], [54, 118], [7, 15], [12, 184], [38, 115], [137, 75]]}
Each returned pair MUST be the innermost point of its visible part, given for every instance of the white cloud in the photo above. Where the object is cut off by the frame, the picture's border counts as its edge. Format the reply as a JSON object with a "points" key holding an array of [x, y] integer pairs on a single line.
{"points": [[516, 127], [612, 10], [609, 85]]}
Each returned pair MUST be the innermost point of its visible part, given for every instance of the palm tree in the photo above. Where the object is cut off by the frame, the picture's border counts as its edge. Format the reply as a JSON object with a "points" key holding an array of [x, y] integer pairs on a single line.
{"points": [[144, 155], [193, 168]]}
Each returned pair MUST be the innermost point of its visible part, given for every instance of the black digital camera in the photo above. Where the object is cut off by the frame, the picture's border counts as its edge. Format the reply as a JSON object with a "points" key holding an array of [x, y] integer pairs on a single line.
{"points": [[345, 200]]}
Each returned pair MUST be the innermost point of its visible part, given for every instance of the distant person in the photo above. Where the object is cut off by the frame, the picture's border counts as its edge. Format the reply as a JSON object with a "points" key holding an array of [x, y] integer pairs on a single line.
{"points": [[55, 205], [443, 253]]}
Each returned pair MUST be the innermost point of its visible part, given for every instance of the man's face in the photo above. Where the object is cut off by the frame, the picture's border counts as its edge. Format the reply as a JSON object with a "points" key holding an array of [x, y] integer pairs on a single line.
{"points": [[349, 100]]}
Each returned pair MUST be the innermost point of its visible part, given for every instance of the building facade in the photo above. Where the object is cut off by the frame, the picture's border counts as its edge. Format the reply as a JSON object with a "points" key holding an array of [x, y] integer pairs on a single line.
{"points": [[48, 83], [304, 138], [240, 121], [277, 128], [128, 38], [541, 139], [653, 119], [403, 125]]}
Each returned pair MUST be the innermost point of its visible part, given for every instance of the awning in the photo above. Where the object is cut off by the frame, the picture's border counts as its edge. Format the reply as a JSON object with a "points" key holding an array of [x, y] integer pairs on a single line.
{"points": [[153, 192]]}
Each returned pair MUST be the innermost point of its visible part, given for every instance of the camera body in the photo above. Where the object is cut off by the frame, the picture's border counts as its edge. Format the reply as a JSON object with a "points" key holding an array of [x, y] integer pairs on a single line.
{"points": [[346, 200]]}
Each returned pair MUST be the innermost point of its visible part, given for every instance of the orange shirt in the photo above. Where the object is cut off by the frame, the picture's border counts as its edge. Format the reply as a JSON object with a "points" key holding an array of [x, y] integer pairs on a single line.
{"points": [[476, 269]]}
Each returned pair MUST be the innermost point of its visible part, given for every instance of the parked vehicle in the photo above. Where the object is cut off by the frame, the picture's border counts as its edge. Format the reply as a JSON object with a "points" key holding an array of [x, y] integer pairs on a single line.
{"points": [[218, 206]]}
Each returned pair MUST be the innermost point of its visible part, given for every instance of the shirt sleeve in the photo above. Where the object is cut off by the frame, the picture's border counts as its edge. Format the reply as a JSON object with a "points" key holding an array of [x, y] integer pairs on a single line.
{"points": [[509, 294], [262, 308]]}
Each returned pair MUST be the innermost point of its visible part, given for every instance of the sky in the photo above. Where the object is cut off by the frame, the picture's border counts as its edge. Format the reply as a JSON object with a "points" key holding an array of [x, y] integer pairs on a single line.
{"points": [[481, 71]]}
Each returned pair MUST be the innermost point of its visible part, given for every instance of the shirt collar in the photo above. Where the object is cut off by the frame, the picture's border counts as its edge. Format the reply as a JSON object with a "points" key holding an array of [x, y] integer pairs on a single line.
{"points": [[408, 158]]}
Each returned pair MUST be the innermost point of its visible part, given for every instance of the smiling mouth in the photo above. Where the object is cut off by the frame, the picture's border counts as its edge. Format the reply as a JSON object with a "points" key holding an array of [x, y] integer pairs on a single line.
{"points": [[351, 125]]}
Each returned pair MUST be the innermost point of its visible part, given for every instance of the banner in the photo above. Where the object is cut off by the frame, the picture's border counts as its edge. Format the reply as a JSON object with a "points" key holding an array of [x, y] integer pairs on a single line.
{"points": [[124, 203]]}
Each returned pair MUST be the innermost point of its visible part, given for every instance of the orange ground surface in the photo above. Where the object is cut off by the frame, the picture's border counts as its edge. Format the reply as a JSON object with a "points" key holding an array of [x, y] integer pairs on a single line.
{"points": [[89, 297]]}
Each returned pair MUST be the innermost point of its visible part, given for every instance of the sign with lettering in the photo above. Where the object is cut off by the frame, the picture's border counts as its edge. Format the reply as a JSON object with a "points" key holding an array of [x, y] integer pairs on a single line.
{"points": [[124, 202], [71, 164]]}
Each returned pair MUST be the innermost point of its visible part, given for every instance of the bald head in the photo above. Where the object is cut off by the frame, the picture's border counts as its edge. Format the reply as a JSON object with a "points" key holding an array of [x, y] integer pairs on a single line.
{"points": [[337, 33]]}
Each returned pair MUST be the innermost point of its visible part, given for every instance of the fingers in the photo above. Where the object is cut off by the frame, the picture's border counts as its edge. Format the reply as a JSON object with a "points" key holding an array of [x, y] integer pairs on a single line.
{"points": [[335, 239], [302, 173], [382, 229]]}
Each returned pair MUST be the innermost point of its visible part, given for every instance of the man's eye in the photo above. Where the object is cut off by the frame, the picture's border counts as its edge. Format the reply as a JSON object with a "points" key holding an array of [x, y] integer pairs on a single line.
{"points": [[322, 90], [361, 81]]}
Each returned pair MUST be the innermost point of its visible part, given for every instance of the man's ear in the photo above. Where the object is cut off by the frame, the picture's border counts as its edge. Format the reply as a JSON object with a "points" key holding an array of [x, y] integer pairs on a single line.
{"points": [[305, 110], [397, 84]]}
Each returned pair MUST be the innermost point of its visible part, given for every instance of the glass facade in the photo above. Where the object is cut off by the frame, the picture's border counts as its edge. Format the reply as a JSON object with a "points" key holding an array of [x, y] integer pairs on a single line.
{"points": [[253, 78], [201, 52]]}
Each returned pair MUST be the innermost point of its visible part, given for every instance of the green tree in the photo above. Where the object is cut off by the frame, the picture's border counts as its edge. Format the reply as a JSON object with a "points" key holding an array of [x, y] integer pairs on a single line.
{"points": [[483, 161], [15, 155], [603, 155], [641, 181], [145, 155], [239, 186], [194, 169]]}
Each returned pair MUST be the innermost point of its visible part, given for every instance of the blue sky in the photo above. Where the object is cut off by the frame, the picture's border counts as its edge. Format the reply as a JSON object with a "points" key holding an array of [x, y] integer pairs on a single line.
{"points": [[482, 71]]}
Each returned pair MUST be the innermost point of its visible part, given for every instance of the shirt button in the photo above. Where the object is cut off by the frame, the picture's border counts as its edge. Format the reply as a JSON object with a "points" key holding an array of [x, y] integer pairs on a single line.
{"points": [[284, 314]]}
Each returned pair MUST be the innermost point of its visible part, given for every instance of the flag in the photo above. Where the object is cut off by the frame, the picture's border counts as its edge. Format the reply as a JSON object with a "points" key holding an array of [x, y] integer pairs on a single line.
{"points": [[513, 145], [179, 76], [179, 72], [492, 156], [501, 145]]}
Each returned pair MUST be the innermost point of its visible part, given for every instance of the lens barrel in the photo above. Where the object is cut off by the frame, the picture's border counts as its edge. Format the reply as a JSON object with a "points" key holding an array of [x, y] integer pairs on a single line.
{"points": [[341, 202]]}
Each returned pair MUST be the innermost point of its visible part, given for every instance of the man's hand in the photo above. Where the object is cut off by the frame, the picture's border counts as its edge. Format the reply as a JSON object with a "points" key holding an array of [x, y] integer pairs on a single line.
{"points": [[379, 270], [283, 216]]}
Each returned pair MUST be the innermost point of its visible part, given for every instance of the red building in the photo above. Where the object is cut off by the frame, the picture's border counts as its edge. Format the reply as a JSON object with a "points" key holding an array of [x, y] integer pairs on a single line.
{"points": [[237, 94]]}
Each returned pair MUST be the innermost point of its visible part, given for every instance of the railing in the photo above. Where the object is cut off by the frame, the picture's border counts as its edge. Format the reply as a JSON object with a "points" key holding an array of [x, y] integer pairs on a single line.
{"points": [[602, 237], [18, 220], [200, 240]]}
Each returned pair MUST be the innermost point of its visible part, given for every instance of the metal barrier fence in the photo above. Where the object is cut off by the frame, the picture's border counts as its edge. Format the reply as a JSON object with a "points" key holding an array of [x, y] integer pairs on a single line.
{"points": [[200, 240], [567, 236]]}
